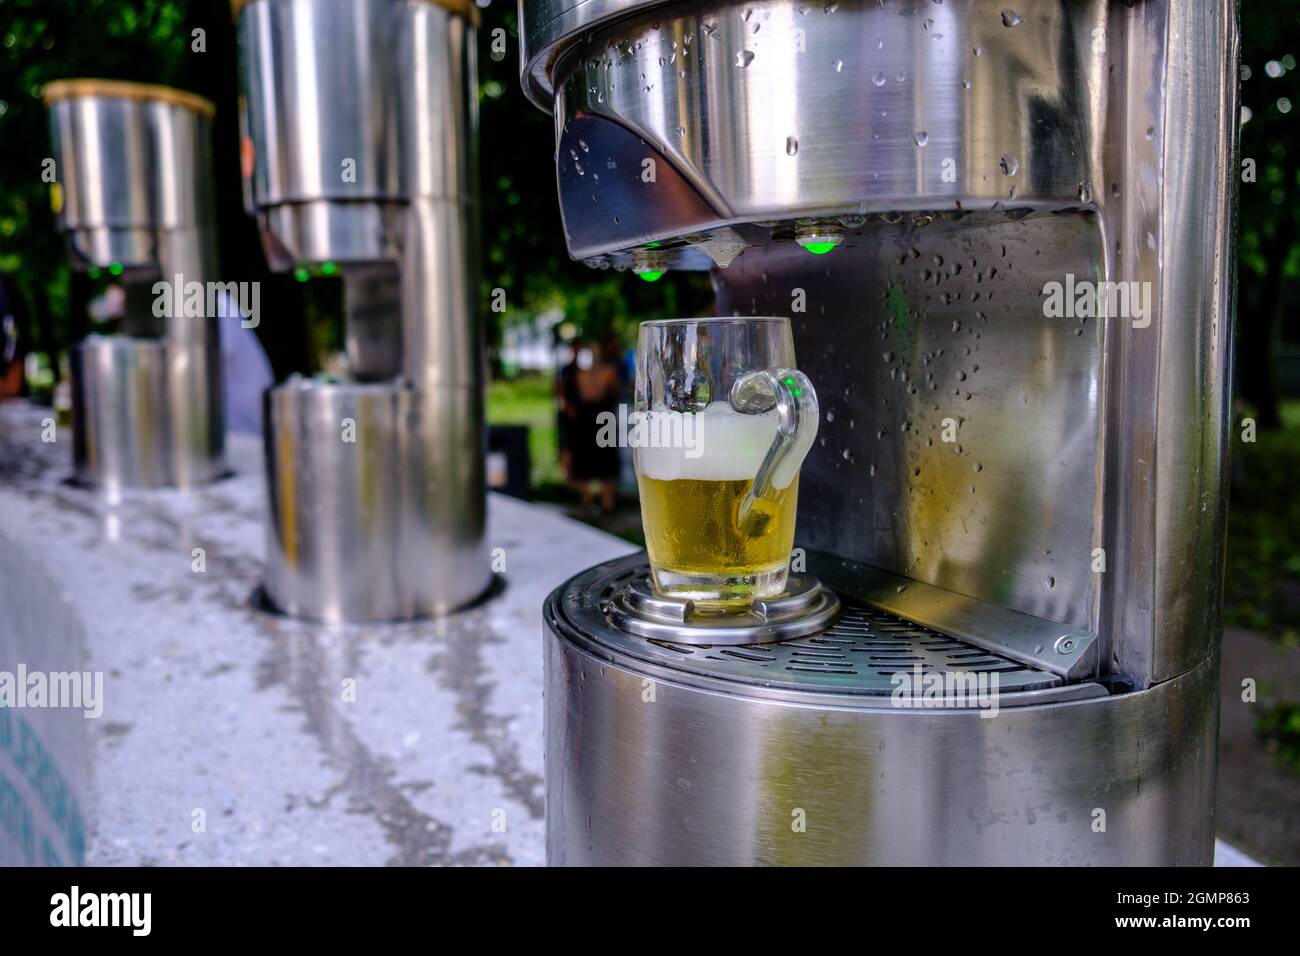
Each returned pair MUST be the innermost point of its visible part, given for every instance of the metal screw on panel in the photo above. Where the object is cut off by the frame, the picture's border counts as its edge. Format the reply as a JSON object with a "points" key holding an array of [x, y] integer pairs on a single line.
{"points": [[1065, 645]]}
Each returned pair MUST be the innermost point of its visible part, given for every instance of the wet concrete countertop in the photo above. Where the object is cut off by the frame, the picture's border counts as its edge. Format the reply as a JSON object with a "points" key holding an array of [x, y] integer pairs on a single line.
{"points": [[226, 735], [233, 736]]}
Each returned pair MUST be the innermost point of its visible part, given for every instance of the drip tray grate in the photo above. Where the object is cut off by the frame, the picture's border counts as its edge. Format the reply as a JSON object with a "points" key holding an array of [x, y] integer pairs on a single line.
{"points": [[862, 652], [859, 654]]}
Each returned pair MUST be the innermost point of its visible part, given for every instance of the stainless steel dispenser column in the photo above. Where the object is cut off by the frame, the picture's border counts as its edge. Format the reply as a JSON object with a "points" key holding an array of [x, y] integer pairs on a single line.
{"points": [[360, 125], [1006, 484], [134, 197]]}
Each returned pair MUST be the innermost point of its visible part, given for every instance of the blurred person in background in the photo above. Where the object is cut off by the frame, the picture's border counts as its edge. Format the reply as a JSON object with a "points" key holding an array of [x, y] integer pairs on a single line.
{"points": [[13, 326], [588, 386]]}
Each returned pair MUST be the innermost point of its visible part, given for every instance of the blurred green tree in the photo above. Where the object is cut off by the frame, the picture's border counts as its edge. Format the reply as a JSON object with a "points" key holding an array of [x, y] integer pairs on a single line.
{"points": [[523, 246], [1269, 207], [148, 41], [153, 41], [523, 250]]}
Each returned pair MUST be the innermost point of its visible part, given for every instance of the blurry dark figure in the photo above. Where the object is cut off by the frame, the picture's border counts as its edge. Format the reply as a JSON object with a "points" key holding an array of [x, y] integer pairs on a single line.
{"points": [[613, 352], [566, 409], [588, 386], [13, 325]]}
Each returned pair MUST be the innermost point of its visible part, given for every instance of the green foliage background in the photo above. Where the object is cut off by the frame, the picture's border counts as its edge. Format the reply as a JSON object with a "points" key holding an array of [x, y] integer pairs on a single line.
{"points": [[1268, 213], [152, 41], [523, 249]]}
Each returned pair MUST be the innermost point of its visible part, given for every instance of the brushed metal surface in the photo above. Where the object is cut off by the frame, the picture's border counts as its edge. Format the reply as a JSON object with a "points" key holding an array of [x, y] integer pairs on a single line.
{"points": [[1078, 140], [963, 155], [779, 110], [380, 527], [718, 776], [1199, 136], [545, 28], [137, 196], [146, 413], [804, 609], [360, 126], [960, 442], [135, 176], [857, 653], [372, 304], [356, 100]]}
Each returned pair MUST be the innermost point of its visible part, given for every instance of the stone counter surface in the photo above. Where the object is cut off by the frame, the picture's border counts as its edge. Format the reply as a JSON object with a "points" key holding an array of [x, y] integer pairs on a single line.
{"points": [[234, 736]]}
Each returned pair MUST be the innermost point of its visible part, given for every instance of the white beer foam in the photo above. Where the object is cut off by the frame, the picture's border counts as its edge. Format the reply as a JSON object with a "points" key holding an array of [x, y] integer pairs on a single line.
{"points": [[719, 445]]}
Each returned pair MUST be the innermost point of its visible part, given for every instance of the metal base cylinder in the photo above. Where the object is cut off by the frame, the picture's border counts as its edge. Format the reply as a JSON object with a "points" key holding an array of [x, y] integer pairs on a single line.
{"points": [[377, 501], [146, 413], [800, 753]]}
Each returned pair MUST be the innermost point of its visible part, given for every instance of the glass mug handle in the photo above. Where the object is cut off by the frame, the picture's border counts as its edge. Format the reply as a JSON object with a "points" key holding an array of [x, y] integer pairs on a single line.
{"points": [[792, 395]]}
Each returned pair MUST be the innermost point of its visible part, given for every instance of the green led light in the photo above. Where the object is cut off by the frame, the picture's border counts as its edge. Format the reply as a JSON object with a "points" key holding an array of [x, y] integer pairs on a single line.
{"points": [[301, 274], [651, 275], [328, 268], [819, 248], [653, 245], [115, 268], [93, 272]]}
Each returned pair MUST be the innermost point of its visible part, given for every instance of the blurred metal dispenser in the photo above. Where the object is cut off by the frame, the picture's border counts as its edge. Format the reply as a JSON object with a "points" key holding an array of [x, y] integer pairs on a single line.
{"points": [[133, 195], [359, 137], [1006, 485]]}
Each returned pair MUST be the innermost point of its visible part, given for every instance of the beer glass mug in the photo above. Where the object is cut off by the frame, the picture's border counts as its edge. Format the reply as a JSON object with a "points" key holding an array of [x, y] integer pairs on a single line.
{"points": [[723, 422]]}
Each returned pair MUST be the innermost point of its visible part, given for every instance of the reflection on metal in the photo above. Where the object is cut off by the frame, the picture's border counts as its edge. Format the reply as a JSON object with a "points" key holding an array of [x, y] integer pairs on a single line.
{"points": [[1046, 485], [371, 529], [1068, 652], [804, 609], [853, 647], [962, 437], [360, 130], [134, 196], [722, 761]]}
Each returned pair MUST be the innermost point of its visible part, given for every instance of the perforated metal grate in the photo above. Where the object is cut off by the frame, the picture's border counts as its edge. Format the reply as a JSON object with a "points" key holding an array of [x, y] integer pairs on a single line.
{"points": [[860, 653]]}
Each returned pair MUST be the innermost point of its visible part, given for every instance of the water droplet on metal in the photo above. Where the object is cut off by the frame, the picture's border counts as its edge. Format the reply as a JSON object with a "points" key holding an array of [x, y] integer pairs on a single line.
{"points": [[921, 137], [744, 58], [1011, 19], [1010, 165], [791, 145], [723, 246]]}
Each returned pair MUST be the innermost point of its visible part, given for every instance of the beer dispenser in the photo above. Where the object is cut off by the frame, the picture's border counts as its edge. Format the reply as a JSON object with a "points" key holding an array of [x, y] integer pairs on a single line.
{"points": [[133, 196], [359, 130], [1014, 480]]}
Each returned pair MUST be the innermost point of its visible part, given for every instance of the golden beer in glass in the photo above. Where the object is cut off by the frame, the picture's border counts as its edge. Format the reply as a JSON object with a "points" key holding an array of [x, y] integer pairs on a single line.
{"points": [[719, 488]]}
